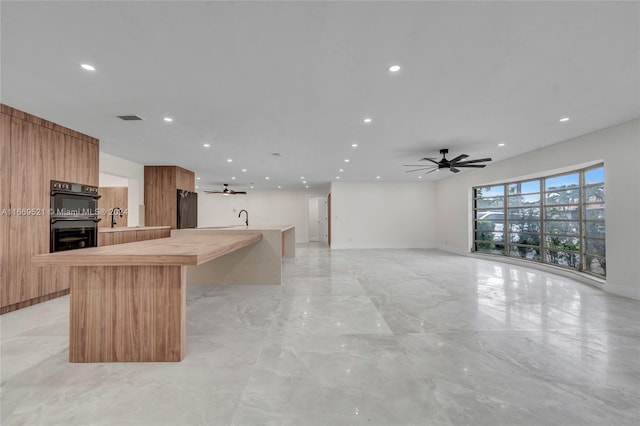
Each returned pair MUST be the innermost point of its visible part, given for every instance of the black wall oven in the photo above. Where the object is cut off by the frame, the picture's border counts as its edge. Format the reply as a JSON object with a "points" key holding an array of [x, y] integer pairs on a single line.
{"points": [[74, 216]]}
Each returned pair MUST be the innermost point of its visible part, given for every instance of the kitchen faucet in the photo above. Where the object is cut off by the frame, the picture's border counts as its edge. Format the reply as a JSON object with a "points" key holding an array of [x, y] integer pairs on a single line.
{"points": [[246, 222], [113, 215]]}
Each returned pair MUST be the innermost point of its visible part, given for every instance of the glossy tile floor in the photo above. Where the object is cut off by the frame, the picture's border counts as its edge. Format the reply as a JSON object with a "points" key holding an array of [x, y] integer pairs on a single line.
{"points": [[379, 337]]}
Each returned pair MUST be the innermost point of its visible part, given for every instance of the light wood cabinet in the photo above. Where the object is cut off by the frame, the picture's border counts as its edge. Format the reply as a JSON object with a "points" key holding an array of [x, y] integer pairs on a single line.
{"points": [[110, 198], [107, 238], [5, 202], [160, 186], [34, 152]]}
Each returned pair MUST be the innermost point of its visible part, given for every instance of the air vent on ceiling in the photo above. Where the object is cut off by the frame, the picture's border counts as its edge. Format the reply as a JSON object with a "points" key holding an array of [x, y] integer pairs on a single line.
{"points": [[129, 117]]}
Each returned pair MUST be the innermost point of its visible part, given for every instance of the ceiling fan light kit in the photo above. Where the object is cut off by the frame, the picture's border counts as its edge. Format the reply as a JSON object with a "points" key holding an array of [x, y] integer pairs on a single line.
{"points": [[453, 165]]}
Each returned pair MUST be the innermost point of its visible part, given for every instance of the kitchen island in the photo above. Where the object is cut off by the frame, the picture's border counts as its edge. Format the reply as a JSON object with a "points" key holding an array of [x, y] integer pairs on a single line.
{"points": [[128, 301], [264, 267]]}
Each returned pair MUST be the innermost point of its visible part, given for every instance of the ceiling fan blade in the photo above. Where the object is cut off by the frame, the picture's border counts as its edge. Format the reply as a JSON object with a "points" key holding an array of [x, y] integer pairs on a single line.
{"points": [[238, 192], [213, 192], [422, 168], [479, 166], [431, 171], [454, 170], [429, 159], [458, 158], [481, 160], [414, 165]]}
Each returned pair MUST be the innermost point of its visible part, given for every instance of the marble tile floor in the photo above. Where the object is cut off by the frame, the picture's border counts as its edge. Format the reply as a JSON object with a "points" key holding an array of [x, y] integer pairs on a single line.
{"points": [[352, 337]]}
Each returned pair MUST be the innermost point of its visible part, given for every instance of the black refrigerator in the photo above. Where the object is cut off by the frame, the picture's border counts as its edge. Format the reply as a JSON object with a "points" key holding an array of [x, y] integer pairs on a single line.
{"points": [[187, 209]]}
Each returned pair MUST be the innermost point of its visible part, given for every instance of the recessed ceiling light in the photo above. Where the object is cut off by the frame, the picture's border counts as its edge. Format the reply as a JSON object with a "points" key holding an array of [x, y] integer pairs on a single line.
{"points": [[251, 186], [419, 177], [368, 120], [500, 144], [377, 177], [267, 177], [206, 145], [88, 67], [562, 120], [346, 160], [197, 186], [301, 177], [198, 178], [337, 177], [229, 160], [355, 145], [244, 170], [304, 181], [233, 178], [168, 119], [279, 187], [394, 68], [307, 186], [341, 170]]}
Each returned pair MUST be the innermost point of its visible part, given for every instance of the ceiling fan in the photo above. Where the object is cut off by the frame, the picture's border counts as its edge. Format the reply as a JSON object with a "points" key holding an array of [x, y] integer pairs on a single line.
{"points": [[452, 165], [226, 191]]}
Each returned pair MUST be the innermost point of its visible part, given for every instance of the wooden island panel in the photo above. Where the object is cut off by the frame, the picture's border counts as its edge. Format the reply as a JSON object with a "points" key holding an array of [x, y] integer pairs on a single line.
{"points": [[128, 301], [127, 314]]}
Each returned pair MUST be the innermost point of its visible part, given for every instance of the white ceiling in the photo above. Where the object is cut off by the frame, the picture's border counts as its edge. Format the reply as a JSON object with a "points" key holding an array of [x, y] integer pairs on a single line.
{"points": [[297, 78]]}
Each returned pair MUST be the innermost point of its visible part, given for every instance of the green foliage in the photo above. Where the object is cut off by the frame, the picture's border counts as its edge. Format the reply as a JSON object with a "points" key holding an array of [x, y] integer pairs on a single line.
{"points": [[485, 233]]}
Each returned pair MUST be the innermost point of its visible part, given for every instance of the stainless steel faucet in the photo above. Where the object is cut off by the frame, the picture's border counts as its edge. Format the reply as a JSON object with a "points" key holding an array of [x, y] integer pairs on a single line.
{"points": [[246, 222]]}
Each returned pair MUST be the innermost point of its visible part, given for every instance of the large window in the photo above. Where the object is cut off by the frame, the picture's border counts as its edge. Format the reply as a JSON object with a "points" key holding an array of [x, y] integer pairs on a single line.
{"points": [[557, 219]]}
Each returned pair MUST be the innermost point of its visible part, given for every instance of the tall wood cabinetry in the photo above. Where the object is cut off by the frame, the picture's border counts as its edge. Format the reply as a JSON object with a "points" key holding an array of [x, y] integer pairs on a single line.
{"points": [[160, 190], [113, 198], [33, 152]]}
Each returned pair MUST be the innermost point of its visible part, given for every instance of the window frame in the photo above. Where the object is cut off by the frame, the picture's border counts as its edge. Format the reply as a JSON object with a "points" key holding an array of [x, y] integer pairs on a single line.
{"points": [[540, 251]]}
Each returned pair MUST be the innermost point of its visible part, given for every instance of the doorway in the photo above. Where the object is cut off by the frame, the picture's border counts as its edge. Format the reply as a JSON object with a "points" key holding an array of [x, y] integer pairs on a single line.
{"points": [[317, 218]]}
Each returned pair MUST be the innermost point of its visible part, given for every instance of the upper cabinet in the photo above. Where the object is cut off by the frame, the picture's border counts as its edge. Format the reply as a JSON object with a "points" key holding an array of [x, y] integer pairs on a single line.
{"points": [[160, 190]]}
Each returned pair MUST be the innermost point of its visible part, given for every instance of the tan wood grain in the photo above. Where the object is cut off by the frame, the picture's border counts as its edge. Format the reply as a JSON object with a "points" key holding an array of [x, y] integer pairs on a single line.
{"points": [[5, 201], [110, 198], [35, 300], [193, 249], [185, 179], [131, 235], [160, 196], [13, 112], [160, 193], [127, 314], [38, 151]]}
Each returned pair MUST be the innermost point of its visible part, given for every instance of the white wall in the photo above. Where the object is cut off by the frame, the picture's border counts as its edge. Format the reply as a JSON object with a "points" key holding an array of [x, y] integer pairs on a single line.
{"points": [[383, 215], [279, 207], [106, 180], [134, 173], [618, 147]]}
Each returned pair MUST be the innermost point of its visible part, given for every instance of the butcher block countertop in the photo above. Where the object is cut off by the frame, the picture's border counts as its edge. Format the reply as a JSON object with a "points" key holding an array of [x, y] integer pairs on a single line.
{"points": [[183, 249]]}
